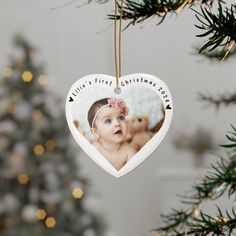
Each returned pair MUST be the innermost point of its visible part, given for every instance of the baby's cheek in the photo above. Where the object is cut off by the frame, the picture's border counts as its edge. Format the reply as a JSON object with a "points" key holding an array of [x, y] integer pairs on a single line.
{"points": [[104, 129]]}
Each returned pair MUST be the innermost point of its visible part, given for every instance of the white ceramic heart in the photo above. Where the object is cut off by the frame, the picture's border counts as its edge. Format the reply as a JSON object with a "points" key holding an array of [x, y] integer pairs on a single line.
{"points": [[143, 91]]}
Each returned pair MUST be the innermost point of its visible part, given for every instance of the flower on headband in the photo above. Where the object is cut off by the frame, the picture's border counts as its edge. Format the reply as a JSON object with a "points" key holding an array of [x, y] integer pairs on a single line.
{"points": [[117, 102]]}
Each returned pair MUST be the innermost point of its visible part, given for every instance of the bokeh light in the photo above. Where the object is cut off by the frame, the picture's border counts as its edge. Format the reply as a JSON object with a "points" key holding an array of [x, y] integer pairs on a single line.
{"points": [[23, 179], [27, 76], [41, 214], [42, 80], [50, 144], [7, 72], [50, 222], [77, 193], [39, 149]]}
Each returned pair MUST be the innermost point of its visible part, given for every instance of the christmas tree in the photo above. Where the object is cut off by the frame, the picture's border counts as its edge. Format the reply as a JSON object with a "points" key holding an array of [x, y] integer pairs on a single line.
{"points": [[42, 190]]}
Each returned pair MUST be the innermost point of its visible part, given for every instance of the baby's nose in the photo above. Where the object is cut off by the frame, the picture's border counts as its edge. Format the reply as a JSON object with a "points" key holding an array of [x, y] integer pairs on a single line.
{"points": [[117, 122]]}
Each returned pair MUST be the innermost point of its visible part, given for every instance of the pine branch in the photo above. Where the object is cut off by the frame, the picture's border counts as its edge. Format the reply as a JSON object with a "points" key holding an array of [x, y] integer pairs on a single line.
{"points": [[213, 186], [219, 225], [176, 220], [220, 100], [219, 179], [188, 223], [220, 28], [216, 182], [214, 55], [222, 177], [231, 136], [137, 12]]}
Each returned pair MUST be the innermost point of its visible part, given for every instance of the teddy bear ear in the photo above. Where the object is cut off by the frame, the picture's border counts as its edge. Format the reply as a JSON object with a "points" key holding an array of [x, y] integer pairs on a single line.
{"points": [[146, 118]]}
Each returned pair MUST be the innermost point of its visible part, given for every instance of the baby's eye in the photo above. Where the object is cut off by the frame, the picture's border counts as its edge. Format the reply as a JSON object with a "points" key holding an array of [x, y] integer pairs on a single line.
{"points": [[121, 117], [107, 121]]}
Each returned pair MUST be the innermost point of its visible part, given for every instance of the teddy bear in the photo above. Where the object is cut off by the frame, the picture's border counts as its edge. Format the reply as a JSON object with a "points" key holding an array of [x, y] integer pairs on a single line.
{"points": [[139, 133]]}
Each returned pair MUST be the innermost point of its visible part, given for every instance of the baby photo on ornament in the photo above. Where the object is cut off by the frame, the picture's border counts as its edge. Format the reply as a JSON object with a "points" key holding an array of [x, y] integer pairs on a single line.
{"points": [[118, 127]]}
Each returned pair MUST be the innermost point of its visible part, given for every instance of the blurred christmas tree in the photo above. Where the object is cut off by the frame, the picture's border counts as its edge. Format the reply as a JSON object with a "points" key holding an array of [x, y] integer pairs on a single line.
{"points": [[41, 189]]}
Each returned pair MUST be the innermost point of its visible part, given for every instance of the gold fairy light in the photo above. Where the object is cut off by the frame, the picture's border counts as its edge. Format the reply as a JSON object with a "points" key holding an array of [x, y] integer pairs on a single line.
{"points": [[224, 219], [221, 219], [196, 213], [23, 179], [27, 76], [77, 193], [42, 80], [37, 115], [209, 194], [41, 214], [7, 72], [50, 222], [39, 149], [50, 145]]}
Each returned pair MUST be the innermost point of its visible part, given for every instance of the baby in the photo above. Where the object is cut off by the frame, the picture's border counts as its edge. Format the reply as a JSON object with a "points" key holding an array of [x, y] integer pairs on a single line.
{"points": [[106, 118]]}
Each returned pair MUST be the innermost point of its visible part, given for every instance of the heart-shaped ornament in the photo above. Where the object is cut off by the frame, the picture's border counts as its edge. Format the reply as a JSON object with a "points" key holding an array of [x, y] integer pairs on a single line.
{"points": [[119, 131]]}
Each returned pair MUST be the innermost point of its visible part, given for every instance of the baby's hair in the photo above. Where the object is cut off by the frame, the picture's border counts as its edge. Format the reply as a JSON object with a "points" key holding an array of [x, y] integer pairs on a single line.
{"points": [[94, 108]]}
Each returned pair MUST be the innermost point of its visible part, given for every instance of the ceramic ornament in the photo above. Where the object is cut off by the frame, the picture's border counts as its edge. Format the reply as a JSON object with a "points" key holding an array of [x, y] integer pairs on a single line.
{"points": [[119, 131]]}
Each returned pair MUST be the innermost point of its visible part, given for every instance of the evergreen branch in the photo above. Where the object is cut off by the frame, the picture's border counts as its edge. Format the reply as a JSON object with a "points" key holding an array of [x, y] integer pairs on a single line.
{"points": [[220, 100], [181, 223], [215, 55], [176, 220], [138, 12], [220, 28], [219, 225], [232, 138], [222, 177], [215, 183]]}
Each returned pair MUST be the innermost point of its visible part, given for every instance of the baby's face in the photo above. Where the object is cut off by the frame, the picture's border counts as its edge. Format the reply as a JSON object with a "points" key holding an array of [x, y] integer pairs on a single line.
{"points": [[111, 125]]}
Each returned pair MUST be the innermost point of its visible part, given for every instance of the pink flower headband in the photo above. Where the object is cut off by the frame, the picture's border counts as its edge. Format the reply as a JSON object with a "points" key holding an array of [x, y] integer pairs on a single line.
{"points": [[113, 103]]}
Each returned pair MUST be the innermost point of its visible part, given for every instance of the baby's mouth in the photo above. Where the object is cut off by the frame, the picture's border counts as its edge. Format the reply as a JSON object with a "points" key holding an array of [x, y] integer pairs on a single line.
{"points": [[118, 132]]}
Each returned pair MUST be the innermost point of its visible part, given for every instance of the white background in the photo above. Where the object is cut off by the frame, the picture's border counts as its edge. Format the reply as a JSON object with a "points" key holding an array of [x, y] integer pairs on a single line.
{"points": [[71, 48]]}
